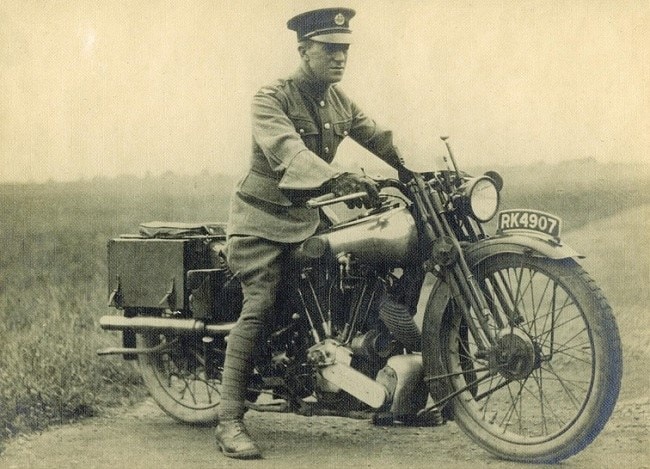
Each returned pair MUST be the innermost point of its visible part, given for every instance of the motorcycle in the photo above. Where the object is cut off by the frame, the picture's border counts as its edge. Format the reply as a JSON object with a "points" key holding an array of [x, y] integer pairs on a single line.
{"points": [[518, 345]]}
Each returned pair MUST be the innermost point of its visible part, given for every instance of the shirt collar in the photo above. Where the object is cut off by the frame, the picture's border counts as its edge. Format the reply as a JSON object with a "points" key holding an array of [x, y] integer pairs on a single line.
{"points": [[308, 85]]}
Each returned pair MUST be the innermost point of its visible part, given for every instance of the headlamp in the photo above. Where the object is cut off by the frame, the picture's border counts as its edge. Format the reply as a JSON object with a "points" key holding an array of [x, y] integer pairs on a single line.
{"points": [[480, 197]]}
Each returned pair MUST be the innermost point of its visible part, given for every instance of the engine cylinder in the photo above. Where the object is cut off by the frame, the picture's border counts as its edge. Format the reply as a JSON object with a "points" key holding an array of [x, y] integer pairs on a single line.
{"points": [[400, 323]]}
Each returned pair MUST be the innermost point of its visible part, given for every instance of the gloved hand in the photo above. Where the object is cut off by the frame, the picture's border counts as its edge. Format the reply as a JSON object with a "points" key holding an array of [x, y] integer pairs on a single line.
{"points": [[349, 183]]}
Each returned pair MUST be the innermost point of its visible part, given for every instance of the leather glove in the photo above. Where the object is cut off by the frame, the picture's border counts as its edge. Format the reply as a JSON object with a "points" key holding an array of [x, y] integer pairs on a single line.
{"points": [[349, 183]]}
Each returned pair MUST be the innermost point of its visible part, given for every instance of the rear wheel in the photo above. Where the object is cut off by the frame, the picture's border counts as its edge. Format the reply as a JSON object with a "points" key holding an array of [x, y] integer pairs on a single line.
{"points": [[177, 378], [550, 382]]}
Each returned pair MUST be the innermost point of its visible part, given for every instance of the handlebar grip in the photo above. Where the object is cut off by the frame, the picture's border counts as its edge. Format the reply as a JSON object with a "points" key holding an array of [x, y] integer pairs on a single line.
{"points": [[317, 201]]}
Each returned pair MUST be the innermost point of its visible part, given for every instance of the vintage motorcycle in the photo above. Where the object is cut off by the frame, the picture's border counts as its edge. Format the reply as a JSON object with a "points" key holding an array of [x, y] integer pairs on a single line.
{"points": [[517, 344]]}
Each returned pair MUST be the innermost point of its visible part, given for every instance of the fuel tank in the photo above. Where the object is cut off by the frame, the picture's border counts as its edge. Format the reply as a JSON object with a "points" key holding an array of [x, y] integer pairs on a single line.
{"points": [[387, 237]]}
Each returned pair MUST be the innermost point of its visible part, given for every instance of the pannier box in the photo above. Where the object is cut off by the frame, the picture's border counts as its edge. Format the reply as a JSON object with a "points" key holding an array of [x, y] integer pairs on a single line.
{"points": [[151, 273]]}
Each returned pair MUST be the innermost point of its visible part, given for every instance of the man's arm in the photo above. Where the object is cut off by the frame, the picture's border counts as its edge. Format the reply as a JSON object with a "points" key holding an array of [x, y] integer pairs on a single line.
{"points": [[283, 147], [373, 138]]}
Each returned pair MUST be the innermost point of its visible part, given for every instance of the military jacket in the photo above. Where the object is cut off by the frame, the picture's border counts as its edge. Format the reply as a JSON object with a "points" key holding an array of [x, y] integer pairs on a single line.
{"points": [[296, 128]]}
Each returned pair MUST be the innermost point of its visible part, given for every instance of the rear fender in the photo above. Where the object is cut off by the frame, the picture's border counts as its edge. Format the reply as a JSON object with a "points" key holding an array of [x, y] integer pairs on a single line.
{"points": [[435, 314]]}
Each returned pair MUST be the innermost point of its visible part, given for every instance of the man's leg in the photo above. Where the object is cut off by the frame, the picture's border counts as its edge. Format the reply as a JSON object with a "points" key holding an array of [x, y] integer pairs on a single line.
{"points": [[257, 264]]}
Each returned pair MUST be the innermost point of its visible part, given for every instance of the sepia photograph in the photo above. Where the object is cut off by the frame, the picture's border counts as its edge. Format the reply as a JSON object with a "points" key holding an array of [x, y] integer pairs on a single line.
{"points": [[321, 234]]}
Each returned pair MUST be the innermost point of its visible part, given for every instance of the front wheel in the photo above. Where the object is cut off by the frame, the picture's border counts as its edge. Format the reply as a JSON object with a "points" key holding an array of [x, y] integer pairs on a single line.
{"points": [[550, 381]]}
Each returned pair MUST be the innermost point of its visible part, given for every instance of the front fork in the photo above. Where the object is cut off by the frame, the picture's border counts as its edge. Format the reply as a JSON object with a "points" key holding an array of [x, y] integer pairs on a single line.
{"points": [[448, 256]]}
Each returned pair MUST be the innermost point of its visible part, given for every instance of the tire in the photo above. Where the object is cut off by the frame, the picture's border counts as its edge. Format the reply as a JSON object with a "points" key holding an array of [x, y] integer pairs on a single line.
{"points": [[550, 384], [177, 381]]}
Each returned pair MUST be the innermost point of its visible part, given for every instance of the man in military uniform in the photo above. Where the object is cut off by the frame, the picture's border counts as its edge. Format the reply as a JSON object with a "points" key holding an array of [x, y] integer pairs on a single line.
{"points": [[297, 125]]}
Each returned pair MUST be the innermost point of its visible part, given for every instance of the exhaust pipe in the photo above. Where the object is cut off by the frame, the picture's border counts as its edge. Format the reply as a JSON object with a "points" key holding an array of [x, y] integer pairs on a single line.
{"points": [[336, 373], [141, 325], [364, 388]]}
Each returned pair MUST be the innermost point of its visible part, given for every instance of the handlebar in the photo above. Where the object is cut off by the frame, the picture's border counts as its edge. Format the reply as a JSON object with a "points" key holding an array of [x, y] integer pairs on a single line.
{"points": [[329, 199]]}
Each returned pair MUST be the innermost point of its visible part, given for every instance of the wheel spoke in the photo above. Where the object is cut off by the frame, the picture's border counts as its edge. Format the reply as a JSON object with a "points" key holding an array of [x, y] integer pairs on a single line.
{"points": [[561, 346], [537, 376], [181, 376], [581, 385], [555, 314], [512, 409], [565, 386], [536, 395], [544, 401], [491, 390]]}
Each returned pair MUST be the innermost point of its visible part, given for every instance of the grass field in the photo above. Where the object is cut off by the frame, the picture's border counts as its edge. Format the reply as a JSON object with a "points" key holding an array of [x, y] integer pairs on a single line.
{"points": [[53, 289], [53, 271]]}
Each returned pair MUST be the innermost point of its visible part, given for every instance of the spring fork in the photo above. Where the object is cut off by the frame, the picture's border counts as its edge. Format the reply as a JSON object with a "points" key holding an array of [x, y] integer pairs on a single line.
{"points": [[462, 282]]}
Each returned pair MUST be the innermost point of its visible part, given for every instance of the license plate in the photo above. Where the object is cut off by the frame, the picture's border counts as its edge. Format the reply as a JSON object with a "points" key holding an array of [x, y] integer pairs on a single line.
{"points": [[531, 221]]}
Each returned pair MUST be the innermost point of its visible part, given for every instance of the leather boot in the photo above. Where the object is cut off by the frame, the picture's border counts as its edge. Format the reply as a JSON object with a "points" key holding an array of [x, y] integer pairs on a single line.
{"points": [[235, 442]]}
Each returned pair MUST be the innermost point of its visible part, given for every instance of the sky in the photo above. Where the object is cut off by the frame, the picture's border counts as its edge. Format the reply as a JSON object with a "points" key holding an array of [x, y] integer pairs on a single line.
{"points": [[108, 87]]}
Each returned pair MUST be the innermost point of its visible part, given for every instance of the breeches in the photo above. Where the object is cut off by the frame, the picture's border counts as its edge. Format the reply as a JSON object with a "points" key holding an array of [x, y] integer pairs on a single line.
{"points": [[258, 264]]}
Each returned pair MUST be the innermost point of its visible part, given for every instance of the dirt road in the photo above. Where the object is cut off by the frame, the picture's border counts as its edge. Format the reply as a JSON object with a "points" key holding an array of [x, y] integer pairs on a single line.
{"points": [[144, 437]]}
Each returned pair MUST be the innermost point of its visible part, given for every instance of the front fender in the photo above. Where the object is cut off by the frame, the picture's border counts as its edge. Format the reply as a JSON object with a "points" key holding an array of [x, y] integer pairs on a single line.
{"points": [[432, 323], [517, 244], [434, 314]]}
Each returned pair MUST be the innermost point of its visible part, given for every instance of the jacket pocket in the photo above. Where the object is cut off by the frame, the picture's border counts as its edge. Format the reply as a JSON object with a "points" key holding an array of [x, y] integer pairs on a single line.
{"points": [[342, 129], [307, 131], [263, 188]]}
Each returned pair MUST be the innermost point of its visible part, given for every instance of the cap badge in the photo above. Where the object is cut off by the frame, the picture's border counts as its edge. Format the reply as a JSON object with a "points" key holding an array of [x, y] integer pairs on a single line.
{"points": [[339, 19]]}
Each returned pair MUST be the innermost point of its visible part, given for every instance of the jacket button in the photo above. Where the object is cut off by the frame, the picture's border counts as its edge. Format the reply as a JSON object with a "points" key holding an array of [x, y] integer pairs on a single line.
{"points": [[322, 104], [327, 125], [302, 131], [327, 149], [345, 132]]}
